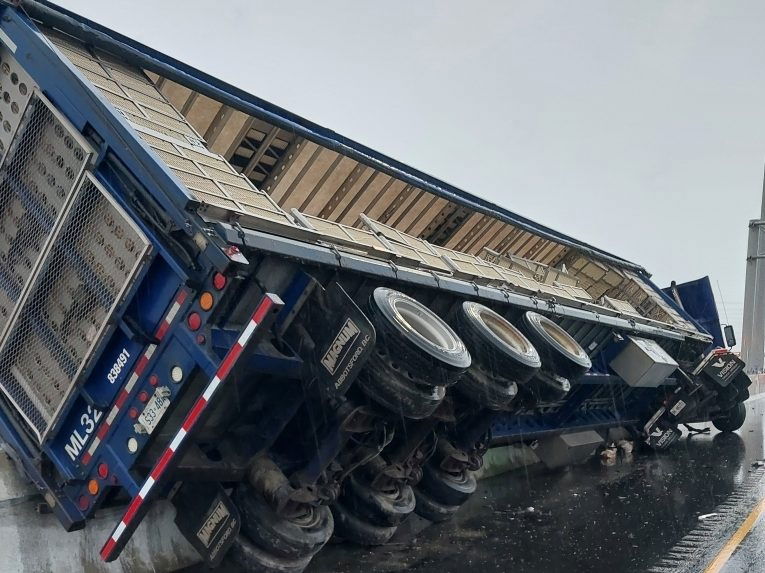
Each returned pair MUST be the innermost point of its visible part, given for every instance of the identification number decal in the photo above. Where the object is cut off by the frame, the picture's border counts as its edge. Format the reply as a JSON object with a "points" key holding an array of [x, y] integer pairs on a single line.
{"points": [[80, 436], [119, 364]]}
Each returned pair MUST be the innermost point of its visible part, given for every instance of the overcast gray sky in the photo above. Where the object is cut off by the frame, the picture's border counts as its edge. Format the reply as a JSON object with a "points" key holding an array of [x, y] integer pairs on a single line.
{"points": [[636, 126]]}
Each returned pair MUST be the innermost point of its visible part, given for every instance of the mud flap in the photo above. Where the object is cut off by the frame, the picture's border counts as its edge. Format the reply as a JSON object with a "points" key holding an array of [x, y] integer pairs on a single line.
{"points": [[660, 431], [721, 369], [336, 339], [719, 372], [207, 518]]}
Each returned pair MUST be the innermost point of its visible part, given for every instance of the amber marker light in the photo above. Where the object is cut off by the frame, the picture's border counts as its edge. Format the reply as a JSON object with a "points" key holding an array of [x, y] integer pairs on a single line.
{"points": [[206, 301]]}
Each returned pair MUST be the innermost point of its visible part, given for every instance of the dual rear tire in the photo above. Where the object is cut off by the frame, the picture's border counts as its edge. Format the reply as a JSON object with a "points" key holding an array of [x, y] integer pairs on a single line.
{"points": [[271, 543], [539, 357], [561, 354], [440, 494], [416, 357], [365, 515], [503, 357]]}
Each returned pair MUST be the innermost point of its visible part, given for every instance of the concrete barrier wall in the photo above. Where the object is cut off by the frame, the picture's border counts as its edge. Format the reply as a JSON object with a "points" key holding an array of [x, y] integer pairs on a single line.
{"points": [[31, 542], [758, 384]]}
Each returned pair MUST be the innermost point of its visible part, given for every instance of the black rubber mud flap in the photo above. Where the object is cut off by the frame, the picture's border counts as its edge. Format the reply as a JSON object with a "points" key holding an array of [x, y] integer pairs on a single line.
{"points": [[661, 432], [341, 338], [723, 368], [207, 518]]}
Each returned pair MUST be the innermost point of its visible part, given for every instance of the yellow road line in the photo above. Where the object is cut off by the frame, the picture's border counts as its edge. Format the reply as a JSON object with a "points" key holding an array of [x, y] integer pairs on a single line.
{"points": [[730, 547]]}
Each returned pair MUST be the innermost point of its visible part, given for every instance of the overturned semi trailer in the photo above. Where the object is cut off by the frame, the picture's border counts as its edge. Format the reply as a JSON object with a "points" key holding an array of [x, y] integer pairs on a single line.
{"points": [[209, 300]]}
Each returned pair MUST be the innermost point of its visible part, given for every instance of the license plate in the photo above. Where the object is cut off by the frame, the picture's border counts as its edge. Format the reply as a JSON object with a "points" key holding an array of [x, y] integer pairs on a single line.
{"points": [[154, 410]]}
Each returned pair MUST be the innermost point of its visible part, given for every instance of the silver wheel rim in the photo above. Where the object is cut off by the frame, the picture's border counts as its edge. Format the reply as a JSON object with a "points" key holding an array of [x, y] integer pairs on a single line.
{"points": [[423, 323], [502, 330], [561, 336]]}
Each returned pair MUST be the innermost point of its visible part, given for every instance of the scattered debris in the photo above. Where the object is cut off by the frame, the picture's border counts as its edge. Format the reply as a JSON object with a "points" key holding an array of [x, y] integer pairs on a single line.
{"points": [[608, 455], [707, 516], [626, 446]]}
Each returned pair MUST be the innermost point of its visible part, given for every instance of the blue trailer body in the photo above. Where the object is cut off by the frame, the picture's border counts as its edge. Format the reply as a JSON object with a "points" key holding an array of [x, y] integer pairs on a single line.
{"points": [[153, 370], [152, 293], [698, 300]]}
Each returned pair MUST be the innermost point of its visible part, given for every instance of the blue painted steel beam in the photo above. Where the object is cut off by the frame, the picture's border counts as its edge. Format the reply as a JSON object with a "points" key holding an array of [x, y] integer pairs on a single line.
{"points": [[540, 425]]}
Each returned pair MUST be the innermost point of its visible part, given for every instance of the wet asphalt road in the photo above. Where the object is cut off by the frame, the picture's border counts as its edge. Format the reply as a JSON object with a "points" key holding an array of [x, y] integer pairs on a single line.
{"points": [[751, 554], [590, 518]]}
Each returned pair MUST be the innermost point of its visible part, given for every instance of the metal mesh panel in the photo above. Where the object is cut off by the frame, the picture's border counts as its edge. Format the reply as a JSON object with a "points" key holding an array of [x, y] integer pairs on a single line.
{"points": [[38, 174], [169, 122], [357, 240], [209, 160], [228, 177], [134, 81], [252, 198], [198, 182], [215, 200], [94, 256], [120, 102], [101, 81], [159, 128], [153, 102], [157, 143], [81, 59], [16, 88], [178, 162]]}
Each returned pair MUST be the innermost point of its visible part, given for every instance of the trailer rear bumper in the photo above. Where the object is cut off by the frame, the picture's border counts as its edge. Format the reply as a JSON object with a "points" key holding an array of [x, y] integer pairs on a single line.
{"points": [[259, 323]]}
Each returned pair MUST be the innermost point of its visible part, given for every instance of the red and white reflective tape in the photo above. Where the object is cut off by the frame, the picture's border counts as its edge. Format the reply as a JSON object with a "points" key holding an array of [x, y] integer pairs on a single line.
{"points": [[129, 521], [171, 314], [140, 366]]}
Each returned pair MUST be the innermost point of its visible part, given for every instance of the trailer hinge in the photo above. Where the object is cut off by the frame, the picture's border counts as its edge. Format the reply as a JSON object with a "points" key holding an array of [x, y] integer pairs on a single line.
{"points": [[338, 255]]}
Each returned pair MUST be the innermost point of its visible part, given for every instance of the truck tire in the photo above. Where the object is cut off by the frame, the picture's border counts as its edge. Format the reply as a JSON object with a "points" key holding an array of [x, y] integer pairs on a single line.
{"points": [[356, 530], [428, 508], [446, 488], [377, 507], [278, 535], [495, 344], [485, 390], [559, 352], [728, 395], [742, 380], [731, 420], [252, 558], [397, 390], [742, 383], [417, 337]]}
